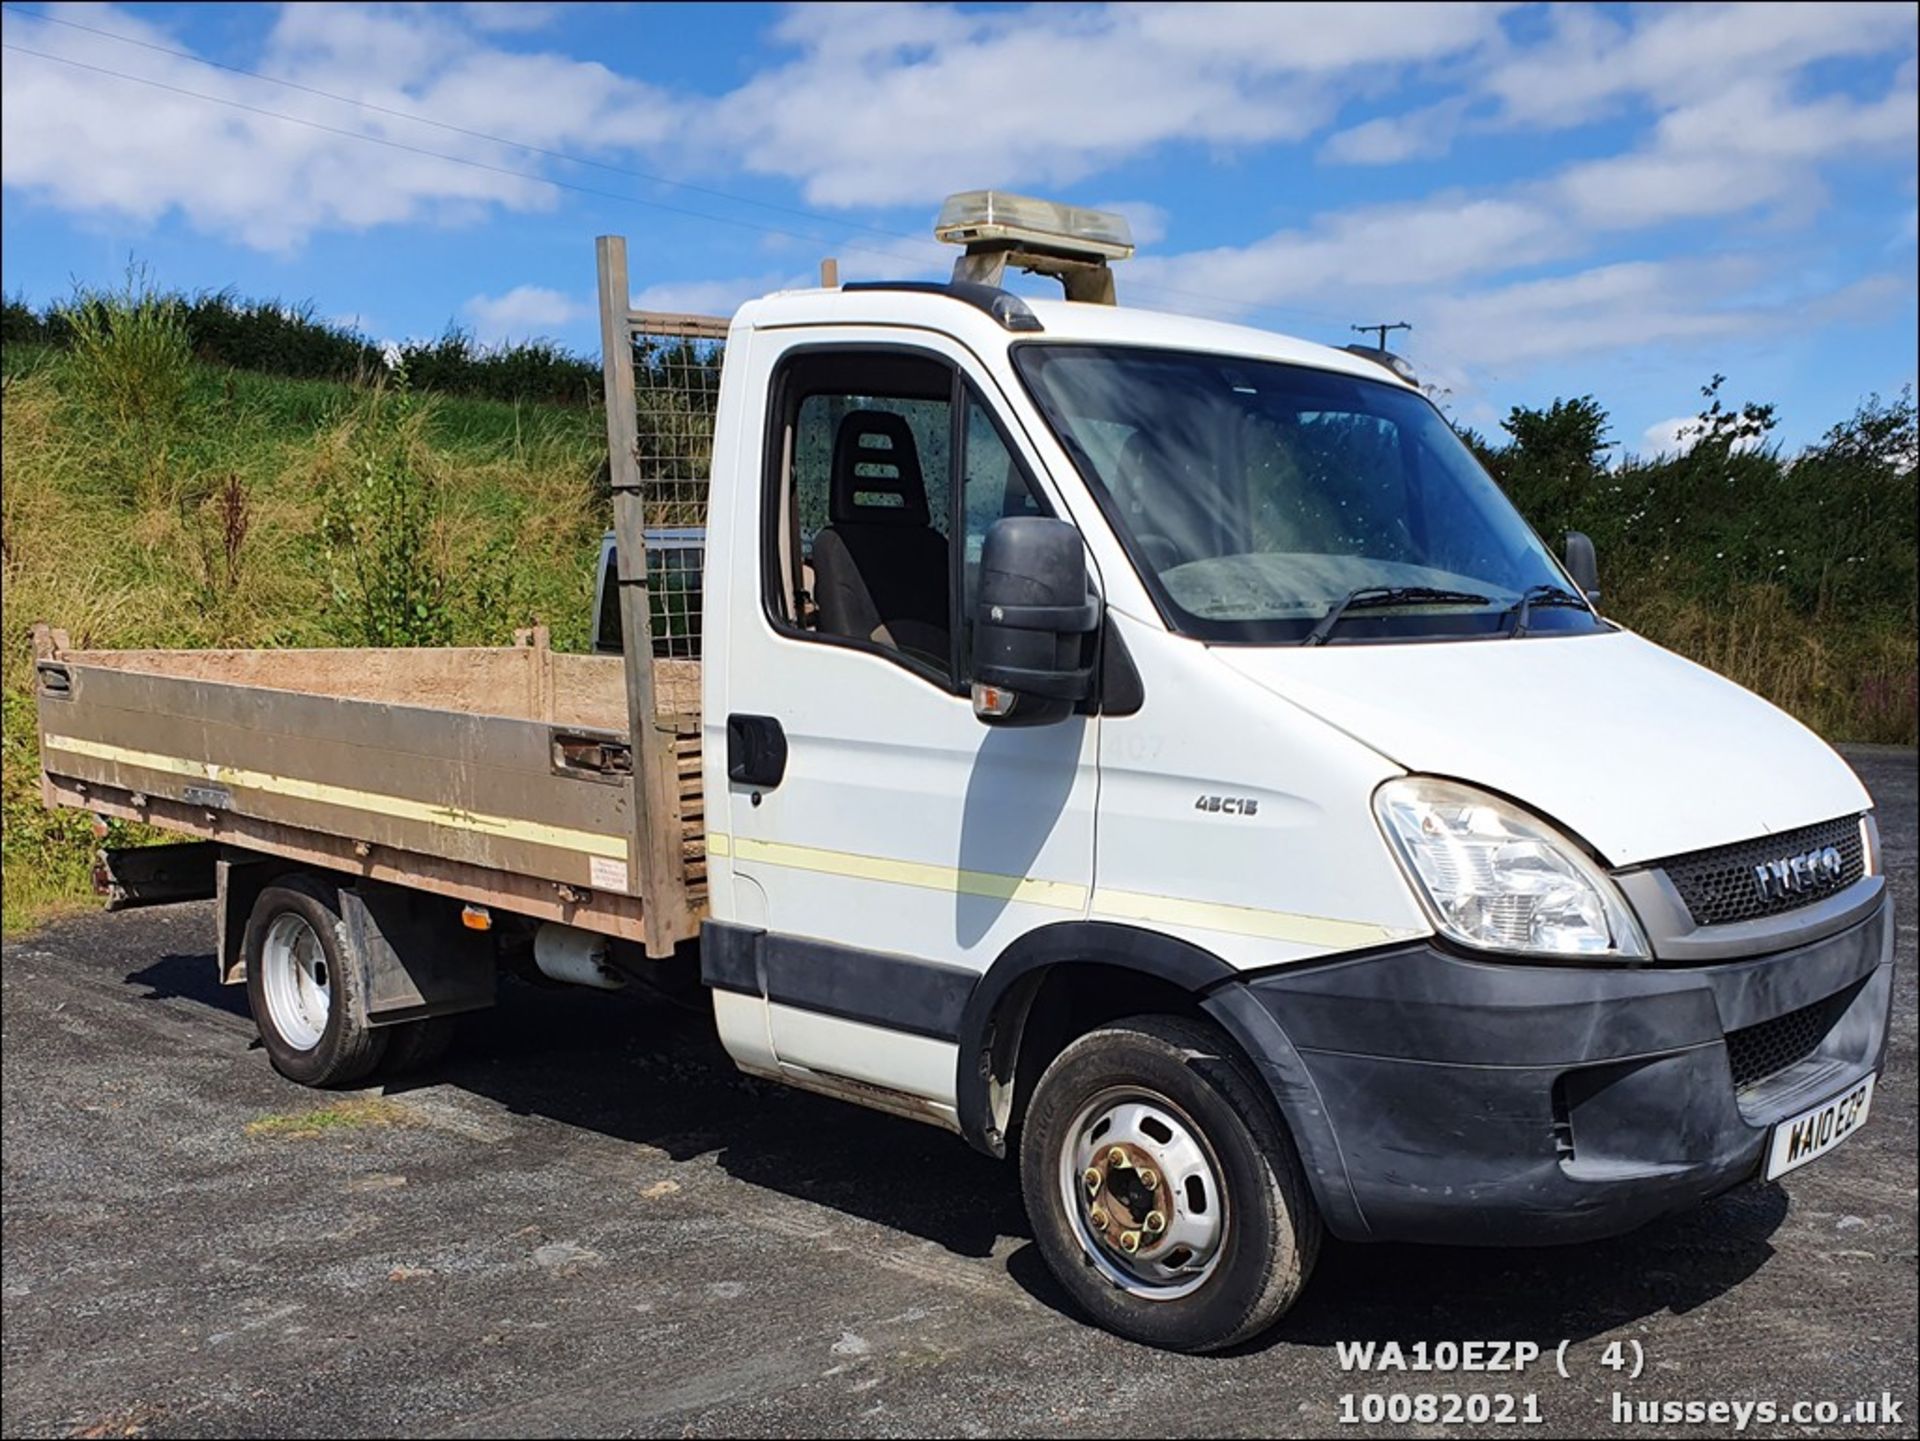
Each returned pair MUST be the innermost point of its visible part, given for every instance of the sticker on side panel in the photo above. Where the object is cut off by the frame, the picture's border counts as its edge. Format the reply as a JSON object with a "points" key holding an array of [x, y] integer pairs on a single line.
{"points": [[608, 874]]}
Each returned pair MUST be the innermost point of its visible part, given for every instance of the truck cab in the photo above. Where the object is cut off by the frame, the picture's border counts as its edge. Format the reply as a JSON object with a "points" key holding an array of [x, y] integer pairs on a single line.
{"points": [[1156, 747]]}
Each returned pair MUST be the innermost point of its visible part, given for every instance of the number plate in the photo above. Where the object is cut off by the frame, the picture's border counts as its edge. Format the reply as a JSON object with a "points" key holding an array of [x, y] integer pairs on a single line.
{"points": [[1798, 1139]]}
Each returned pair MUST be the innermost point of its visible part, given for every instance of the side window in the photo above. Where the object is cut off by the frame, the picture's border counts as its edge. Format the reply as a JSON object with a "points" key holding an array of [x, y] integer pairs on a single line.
{"points": [[873, 455], [994, 484], [860, 517]]}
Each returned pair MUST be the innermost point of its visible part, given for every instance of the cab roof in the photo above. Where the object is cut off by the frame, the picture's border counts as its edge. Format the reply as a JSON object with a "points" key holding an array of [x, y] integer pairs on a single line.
{"points": [[934, 308]]}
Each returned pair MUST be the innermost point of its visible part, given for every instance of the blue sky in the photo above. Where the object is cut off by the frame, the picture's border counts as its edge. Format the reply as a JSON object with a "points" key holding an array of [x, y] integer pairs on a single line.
{"points": [[1561, 200]]}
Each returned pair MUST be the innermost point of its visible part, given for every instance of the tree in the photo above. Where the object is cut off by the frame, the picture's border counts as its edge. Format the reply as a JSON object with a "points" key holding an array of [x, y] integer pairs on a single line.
{"points": [[1721, 430], [1881, 433], [1563, 445], [1493, 458]]}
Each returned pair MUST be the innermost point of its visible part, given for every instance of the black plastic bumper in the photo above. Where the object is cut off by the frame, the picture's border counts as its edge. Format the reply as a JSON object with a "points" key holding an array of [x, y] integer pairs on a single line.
{"points": [[1436, 1098]]}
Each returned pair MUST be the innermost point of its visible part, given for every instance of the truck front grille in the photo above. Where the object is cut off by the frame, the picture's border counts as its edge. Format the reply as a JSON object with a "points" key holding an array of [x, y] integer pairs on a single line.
{"points": [[1719, 886], [1758, 1053]]}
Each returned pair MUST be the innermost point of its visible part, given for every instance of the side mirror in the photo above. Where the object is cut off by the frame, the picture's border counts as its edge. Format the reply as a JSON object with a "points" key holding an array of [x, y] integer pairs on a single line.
{"points": [[1582, 565], [1031, 659]]}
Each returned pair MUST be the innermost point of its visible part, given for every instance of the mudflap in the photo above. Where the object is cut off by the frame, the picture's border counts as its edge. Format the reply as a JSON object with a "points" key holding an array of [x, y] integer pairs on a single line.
{"points": [[415, 958]]}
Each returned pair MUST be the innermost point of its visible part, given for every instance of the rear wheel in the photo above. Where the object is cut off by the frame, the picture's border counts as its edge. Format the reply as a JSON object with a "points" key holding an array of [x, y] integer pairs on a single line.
{"points": [[1163, 1191], [302, 988]]}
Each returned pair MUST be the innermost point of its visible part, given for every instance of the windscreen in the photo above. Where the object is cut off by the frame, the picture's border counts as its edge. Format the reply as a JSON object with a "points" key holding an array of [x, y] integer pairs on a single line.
{"points": [[1256, 497]]}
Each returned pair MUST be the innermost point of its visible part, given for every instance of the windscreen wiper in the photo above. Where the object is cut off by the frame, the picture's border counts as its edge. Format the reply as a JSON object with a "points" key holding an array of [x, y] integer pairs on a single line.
{"points": [[1369, 596], [1521, 611]]}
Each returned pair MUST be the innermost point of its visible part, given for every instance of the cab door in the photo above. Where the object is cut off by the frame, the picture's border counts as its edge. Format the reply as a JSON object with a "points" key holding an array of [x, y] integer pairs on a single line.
{"points": [[900, 844]]}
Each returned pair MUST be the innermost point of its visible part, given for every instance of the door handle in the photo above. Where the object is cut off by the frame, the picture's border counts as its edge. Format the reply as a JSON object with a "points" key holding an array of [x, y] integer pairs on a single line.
{"points": [[756, 751]]}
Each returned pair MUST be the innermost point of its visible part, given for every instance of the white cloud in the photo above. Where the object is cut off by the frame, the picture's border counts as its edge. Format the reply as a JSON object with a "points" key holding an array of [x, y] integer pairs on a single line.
{"points": [[269, 183], [1638, 306], [1439, 265], [1751, 141], [508, 17], [1680, 434], [1368, 249], [1391, 139], [1749, 145], [1592, 64], [1147, 221], [1733, 129], [895, 104], [1670, 437], [1606, 307], [716, 297], [525, 312]]}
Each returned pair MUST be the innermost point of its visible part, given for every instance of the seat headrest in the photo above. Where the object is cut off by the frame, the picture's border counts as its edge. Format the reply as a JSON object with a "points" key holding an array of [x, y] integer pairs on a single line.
{"points": [[1143, 464], [876, 472]]}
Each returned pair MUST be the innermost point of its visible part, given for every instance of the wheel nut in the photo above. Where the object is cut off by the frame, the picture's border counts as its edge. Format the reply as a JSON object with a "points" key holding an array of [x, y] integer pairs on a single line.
{"points": [[1098, 1217], [1149, 1177], [1155, 1223], [1092, 1179], [1118, 1158], [1129, 1241]]}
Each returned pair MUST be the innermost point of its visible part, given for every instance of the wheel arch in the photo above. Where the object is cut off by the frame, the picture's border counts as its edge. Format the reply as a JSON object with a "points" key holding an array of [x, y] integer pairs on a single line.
{"points": [[1145, 971], [994, 1022]]}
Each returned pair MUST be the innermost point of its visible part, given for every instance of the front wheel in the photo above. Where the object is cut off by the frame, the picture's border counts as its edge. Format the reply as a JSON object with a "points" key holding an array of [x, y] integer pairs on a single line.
{"points": [[1163, 1191]]}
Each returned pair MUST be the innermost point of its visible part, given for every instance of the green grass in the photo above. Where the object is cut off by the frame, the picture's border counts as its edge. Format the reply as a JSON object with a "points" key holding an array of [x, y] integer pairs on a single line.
{"points": [[192, 511], [351, 1115]]}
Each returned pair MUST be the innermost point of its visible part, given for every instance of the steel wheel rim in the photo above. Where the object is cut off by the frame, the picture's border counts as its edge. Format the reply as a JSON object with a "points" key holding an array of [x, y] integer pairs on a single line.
{"points": [[1187, 1200], [296, 979]]}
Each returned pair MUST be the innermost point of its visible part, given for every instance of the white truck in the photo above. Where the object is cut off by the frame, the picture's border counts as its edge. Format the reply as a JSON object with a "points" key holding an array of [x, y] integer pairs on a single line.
{"points": [[1149, 748]]}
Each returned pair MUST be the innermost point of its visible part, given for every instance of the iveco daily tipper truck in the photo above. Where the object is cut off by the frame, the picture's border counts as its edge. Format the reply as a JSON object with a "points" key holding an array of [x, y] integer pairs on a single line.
{"points": [[1152, 749]]}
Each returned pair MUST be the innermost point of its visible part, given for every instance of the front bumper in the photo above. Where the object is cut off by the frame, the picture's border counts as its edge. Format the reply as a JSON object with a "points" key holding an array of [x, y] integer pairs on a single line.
{"points": [[1436, 1098]]}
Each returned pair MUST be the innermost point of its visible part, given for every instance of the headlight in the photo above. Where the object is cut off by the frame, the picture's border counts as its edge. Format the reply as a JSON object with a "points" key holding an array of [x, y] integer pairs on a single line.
{"points": [[1498, 879]]}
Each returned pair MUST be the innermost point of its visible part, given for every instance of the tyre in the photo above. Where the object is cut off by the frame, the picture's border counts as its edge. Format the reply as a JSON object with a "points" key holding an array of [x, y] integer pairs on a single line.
{"points": [[1163, 1191], [415, 1046], [303, 989]]}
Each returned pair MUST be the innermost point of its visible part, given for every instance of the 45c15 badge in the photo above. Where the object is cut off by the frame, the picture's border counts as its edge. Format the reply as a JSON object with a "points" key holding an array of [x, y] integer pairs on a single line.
{"points": [[1229, 805]]}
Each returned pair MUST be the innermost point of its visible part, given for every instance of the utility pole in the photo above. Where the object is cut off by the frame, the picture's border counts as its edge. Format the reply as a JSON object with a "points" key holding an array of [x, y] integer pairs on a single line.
{"points": [[1382, 329]]}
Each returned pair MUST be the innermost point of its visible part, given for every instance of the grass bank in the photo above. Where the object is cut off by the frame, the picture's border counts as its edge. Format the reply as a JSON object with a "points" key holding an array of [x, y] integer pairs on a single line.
{"points": [[153, 500]]}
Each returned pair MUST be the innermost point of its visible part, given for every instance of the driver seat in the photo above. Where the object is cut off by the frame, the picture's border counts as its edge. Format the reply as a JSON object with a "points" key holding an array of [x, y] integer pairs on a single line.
{"points": [[880, 569]]}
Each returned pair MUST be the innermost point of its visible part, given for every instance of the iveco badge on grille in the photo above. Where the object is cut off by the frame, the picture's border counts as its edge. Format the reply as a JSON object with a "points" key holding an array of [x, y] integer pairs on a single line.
{"points": [[1813, 870]]}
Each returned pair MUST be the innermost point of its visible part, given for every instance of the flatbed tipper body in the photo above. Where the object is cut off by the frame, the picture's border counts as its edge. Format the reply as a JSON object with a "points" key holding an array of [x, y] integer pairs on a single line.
{"points": [[498, 776]]}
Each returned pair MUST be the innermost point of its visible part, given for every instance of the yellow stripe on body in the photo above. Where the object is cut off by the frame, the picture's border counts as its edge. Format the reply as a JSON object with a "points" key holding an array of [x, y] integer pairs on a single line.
{"points": [[1317, 931], [1059, 895], [1332, 935], [537, 832]]}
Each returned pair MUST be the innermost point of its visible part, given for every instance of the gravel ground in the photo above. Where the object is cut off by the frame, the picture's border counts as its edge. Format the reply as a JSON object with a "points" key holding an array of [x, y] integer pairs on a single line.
{"points": [[587, 1223]]}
